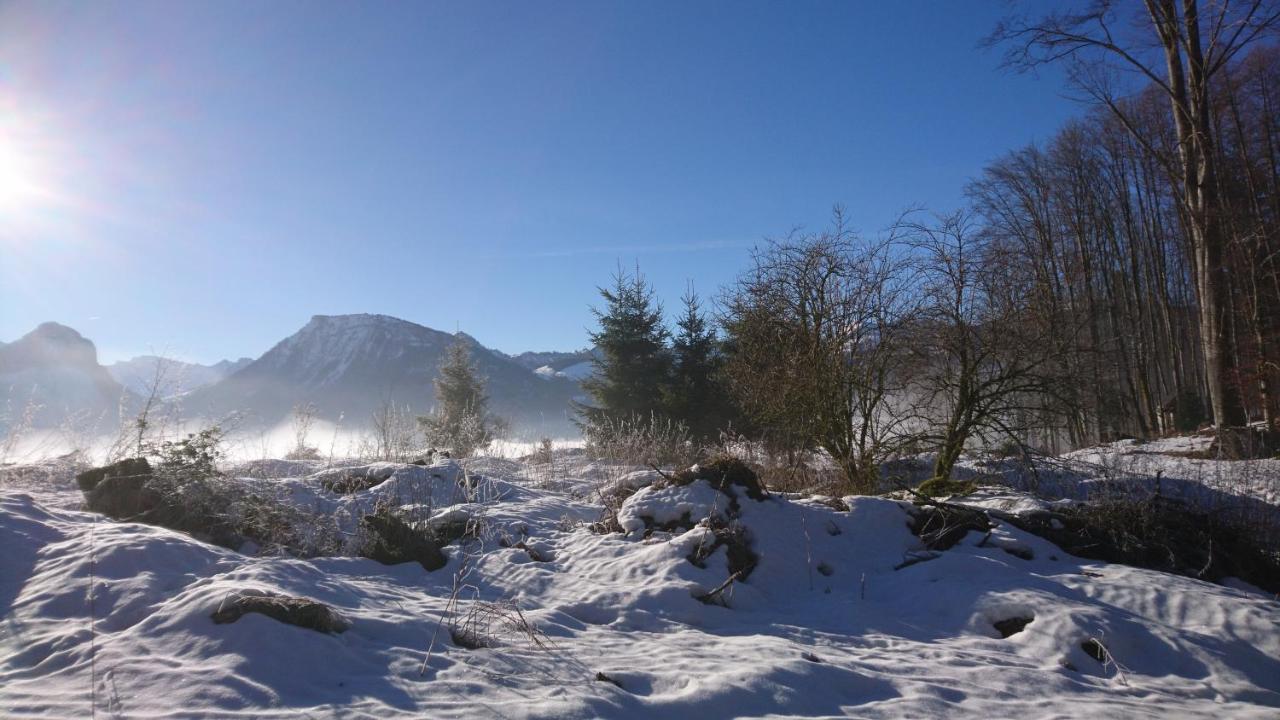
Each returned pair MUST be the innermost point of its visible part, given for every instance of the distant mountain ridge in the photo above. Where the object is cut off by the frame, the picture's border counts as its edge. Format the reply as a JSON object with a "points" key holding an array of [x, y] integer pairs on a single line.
{"points": [[175, 376], [553, 359], [345, 365]]}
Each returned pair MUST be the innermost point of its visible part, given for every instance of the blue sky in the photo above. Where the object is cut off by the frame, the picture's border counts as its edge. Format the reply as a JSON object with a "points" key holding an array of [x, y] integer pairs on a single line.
{"points": [[200, 178]]}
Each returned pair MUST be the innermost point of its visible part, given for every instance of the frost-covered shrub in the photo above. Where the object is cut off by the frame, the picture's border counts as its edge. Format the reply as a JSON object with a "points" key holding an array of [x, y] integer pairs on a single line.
{"points": [[639, 440], [194, 457], [722, 472], [183, 489], [544, 453], [305, 452]]}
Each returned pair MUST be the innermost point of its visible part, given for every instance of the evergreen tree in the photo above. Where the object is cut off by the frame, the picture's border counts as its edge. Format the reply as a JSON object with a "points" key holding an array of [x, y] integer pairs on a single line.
{"points": [[461, 421], [633, 367], [694, 396]]}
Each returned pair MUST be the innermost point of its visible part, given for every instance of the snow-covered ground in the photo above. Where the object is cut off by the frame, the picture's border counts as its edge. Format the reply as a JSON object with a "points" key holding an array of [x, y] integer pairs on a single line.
{"points": [[1170, 468], [830, 622]]}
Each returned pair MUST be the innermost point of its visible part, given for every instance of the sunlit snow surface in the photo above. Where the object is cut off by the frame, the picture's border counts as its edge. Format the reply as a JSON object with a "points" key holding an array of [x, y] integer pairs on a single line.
{"points": [[118, 615]]}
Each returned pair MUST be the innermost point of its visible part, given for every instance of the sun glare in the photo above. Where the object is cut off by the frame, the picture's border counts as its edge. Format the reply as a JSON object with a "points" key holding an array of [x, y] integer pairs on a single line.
{"points": [[28, 193], [19, 181]]}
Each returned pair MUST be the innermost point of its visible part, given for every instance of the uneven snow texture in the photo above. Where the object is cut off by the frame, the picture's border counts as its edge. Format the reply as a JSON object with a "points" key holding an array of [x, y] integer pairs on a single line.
{"points": [[115, 616]]}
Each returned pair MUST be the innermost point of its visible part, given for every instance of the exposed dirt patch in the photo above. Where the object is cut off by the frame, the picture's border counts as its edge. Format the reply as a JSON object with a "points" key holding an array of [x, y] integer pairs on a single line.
{"points": [[1159, 535], [130, 467], [1012, 626]]}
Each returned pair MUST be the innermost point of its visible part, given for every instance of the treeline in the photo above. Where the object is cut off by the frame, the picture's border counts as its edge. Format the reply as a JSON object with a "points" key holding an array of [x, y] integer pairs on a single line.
{"points": [[1097, 216], [1121, 279]]}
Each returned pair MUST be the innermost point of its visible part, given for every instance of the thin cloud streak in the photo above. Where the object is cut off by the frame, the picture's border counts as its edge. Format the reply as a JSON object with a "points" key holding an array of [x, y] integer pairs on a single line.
{"points": [[626, 250]]}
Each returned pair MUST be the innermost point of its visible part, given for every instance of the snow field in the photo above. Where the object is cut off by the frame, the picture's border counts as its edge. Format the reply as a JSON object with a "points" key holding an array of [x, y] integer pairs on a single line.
{"points": [[823, 626]]}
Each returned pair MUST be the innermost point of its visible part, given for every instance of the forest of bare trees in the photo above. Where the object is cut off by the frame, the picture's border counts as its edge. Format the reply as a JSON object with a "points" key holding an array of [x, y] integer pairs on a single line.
{"points": [[1100, 222], [1155, 216]]}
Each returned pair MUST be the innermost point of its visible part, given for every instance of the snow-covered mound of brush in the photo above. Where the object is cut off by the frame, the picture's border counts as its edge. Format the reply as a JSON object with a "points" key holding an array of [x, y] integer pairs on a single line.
{"points": [[611, 594]]}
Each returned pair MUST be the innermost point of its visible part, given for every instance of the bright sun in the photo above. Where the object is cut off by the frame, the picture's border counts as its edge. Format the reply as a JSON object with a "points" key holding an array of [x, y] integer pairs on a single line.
{"points": [[20, 185]]}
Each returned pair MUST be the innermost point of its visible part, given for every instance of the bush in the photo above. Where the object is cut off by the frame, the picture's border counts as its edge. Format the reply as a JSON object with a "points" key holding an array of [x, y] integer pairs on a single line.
{"points": [[1010, 448], [545, 451], [305, 452], [463, 434], [641, 441], [195, 457], [721, 473], [183, 490], [1163, 535]]}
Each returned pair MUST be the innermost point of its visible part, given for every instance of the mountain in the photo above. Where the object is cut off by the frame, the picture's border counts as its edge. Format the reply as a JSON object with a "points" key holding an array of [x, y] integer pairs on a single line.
{"points": [[348, 365], [553, 359], [575, 366], [53, 372], [225, 367], [175, 376]]}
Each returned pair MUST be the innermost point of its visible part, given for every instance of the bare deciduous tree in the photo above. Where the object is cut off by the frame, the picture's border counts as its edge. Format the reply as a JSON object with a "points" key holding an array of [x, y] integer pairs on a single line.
{"points": [[984, 360], [814, 334]]}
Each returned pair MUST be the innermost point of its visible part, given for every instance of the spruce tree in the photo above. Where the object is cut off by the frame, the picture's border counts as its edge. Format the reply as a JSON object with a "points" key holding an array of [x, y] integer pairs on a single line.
{"points": [[694, 396], [461, 421], [633, 366]]}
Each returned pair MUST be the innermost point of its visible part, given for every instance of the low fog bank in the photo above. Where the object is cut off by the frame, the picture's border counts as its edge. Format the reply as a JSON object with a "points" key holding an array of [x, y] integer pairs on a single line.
{"points": [[323, 440]]}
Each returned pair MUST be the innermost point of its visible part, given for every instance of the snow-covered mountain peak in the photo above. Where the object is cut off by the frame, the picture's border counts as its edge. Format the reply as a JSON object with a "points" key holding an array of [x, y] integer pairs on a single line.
{"points": [[347, 366], [328, 346]]}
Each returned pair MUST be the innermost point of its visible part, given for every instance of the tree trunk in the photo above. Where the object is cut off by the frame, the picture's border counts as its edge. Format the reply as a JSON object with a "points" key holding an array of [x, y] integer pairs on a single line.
{"points": [[1189, 94]]}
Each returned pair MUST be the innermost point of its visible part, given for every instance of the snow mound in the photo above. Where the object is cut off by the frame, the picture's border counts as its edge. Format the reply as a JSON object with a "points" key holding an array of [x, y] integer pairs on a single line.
{"points": [[667, 506]]}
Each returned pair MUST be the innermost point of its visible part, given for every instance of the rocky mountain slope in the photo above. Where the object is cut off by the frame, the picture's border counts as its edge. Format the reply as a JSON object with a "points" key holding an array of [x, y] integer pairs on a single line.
{"points": [[51, 376]]}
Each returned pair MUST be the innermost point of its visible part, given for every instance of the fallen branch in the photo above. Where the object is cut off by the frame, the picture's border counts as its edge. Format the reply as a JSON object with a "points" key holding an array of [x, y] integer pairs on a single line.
{"points": [[711, 597]]}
